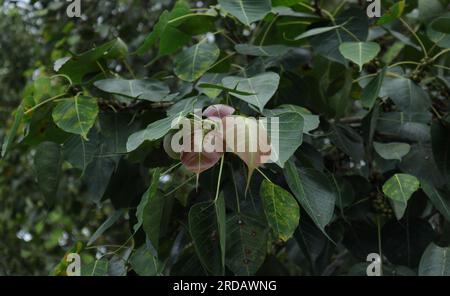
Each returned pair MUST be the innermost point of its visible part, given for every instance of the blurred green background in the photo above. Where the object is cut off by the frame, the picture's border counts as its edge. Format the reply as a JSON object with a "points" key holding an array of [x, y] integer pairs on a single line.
{"points": [[33, 237]]}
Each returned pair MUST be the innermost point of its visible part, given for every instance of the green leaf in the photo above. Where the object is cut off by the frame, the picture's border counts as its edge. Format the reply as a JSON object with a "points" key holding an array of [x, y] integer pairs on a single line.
{"points": [[193, 62], [440, 38], [96, 268], [97, 177], [429, 9], [106, 225], [435, 261], [246, 244], [247, 11], [356, 24], [394, 12], [9, 138], [89, 62], [80, 152], [281, 209], [152, 214], [442, 25], [348, 140], [314, 192], [372, 90], [205, 232], [222, 226], [48, 165], [154, 131], [209, 84], [149, 90], [148, 196], [440, 140], [223, 88], [76, 115], [144, 263], [317, 31], [439, 198], [400, 188], [359, 52], [263, 86], [406, 94], [288, 135], [392, 150], [310, 121], [169, 36], [261, 51]]}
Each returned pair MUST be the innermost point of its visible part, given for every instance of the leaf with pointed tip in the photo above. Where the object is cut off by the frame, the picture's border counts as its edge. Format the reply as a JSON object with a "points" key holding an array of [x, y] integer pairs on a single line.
{"points": [[154, 131], [263, 86], [247, 11], [359, 52], [281, 209], [262, 50], [439, 198], [317, 31], [400, 188], [164, 31], [246, 244], [192, 63], [392, 150], [48, 164], [76, 115], [210, 86], [208, 83], [248, 139], [286, 135], [435, 261], [96, 268], [152, 216], [310, 121], [9, 138], [314, 192], [394, 12], [79, 66], [205, 232], [146, 198], [106, 225], [143, 89], [442, 24], [372, 90], [406, 94]]}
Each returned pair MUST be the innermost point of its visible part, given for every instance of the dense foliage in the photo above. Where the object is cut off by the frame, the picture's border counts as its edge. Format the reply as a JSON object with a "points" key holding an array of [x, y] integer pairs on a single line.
{"points": [[363, 158]]}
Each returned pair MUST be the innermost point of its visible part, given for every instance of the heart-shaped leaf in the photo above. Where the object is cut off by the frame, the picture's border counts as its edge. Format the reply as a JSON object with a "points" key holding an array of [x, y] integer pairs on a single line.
{"points": [[281, 209], [263, 86], [435, 261], [154, 131], [76, 115], [359, 52], [392, 150], [314, 193], [400, 188], [149, 90], [193, 62], [247, 11]]}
